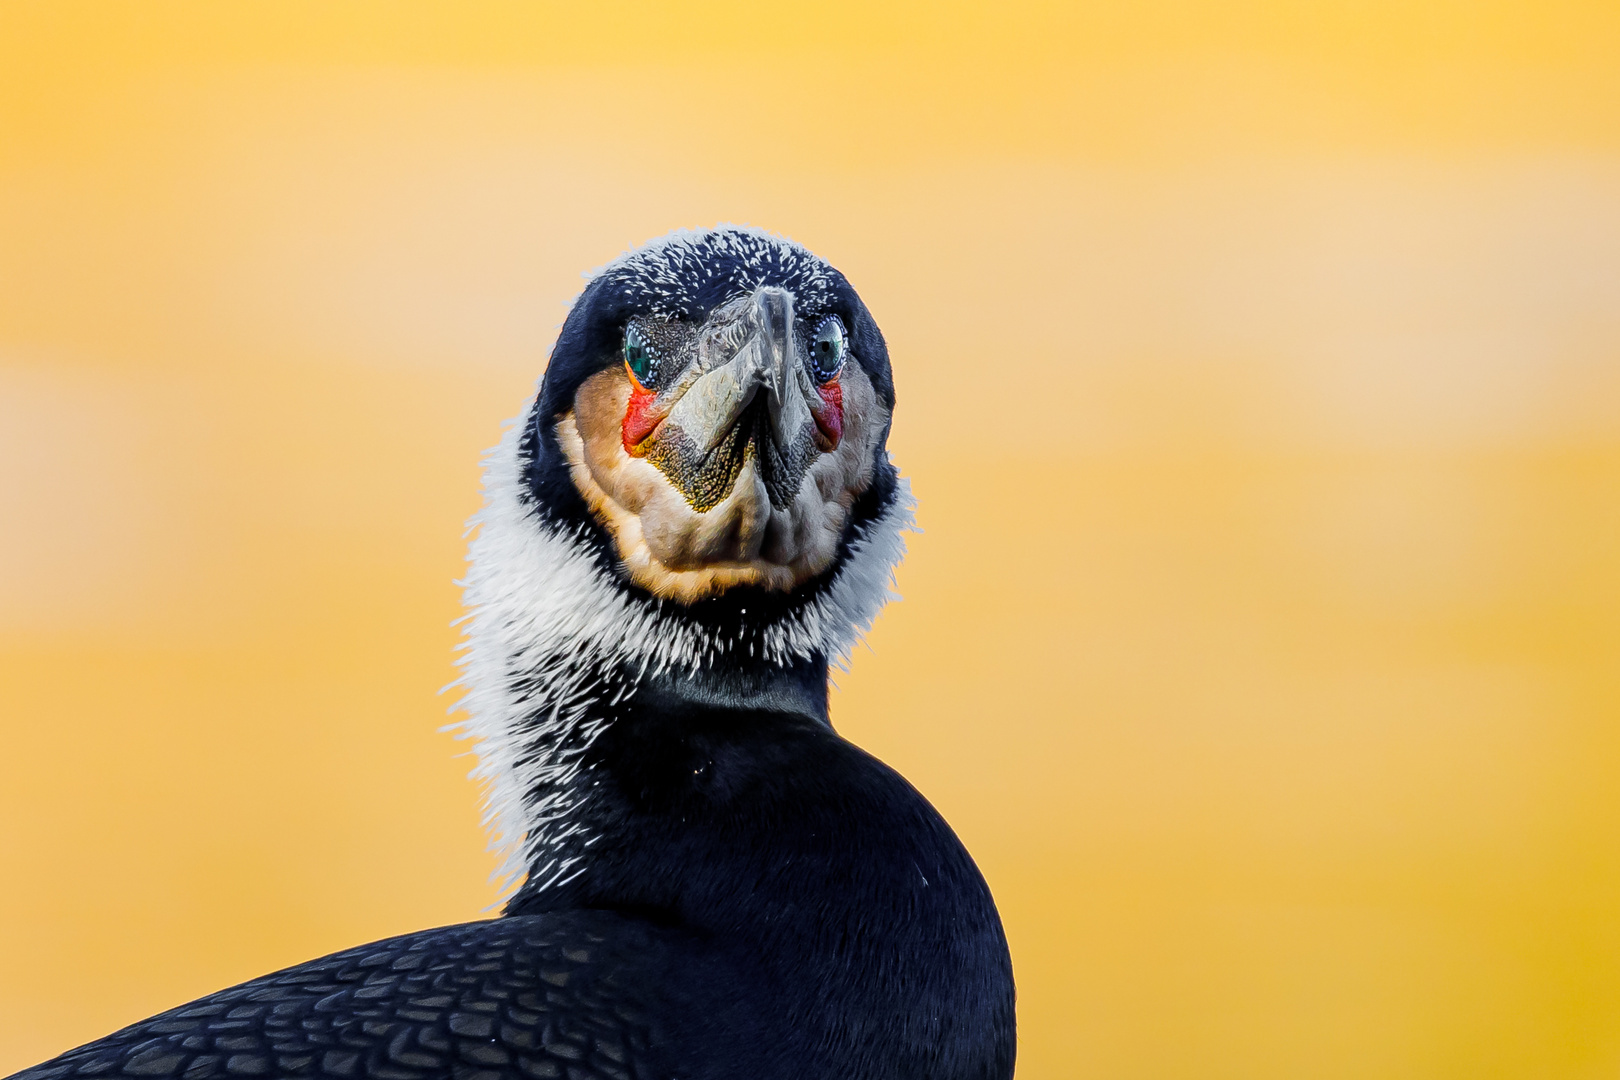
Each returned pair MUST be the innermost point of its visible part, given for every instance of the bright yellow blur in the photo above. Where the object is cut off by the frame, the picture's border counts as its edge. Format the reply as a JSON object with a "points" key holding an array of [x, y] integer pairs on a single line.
{"points": [[1259, 373]]}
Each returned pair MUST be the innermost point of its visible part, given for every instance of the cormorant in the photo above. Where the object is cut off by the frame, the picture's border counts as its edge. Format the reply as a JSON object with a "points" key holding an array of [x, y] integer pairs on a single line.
{"points": [[692, 518]]}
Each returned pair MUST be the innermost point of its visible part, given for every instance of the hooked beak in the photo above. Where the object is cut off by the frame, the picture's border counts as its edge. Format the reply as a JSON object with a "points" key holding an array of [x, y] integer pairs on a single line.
{"points": [[750, 402], [768, 364]]}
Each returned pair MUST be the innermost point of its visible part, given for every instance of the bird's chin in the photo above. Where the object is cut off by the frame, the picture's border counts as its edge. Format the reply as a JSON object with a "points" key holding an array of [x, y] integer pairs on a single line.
{"points": [[681, 553]]}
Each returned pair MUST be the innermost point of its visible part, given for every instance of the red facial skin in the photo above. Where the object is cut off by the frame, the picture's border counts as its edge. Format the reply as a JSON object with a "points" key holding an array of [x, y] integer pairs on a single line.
{"points": [[641, 417], [830, 416]]}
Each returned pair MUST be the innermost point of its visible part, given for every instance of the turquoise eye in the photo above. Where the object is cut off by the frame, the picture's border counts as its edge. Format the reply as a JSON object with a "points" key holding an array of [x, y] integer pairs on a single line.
{"points": [[638, 356], [827, 349]]}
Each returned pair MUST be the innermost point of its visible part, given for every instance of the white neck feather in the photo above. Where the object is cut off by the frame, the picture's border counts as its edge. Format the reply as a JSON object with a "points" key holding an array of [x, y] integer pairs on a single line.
{"points": [[549, 635]]}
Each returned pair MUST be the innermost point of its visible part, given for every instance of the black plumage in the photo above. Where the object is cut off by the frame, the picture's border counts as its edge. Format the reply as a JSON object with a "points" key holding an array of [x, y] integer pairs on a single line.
{"points": [[718, 885]]}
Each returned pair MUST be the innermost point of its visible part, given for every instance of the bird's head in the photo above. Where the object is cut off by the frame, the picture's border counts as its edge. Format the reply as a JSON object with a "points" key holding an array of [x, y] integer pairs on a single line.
{"points": [[697, 504], [719, 401]]}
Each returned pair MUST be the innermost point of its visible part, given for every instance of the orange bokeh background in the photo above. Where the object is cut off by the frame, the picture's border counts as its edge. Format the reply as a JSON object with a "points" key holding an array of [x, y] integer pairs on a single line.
{"points": [[1259, 376]]}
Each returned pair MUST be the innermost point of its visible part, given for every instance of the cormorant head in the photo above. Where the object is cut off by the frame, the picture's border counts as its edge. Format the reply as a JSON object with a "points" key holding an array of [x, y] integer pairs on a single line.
{"points": [[698, 506], [718, 402]]}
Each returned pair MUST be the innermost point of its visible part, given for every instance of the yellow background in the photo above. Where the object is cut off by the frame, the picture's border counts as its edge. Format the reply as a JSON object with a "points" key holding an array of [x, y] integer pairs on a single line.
{"points": [[1259, 375]]}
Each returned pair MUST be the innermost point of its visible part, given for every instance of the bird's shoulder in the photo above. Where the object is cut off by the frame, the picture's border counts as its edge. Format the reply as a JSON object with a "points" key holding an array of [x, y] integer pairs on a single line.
{"points": [[547, 997]]}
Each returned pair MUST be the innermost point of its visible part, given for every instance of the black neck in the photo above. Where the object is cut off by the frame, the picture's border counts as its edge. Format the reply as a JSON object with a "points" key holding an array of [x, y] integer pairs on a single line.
{"points": [[611, 730], [799, 689], [721, 805]]}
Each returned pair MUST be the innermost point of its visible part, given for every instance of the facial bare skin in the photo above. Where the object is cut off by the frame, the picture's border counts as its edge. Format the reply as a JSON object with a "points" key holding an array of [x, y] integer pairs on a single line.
{"points": [[682, 554]]}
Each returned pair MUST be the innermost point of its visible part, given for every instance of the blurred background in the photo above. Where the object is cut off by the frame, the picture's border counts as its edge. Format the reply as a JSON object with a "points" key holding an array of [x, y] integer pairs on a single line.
{"points": [[1259, 376]]}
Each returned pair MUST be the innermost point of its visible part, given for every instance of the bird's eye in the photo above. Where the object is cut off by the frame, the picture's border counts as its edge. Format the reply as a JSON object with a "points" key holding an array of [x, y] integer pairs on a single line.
{"points": [[827, 349], [638, 355]]}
